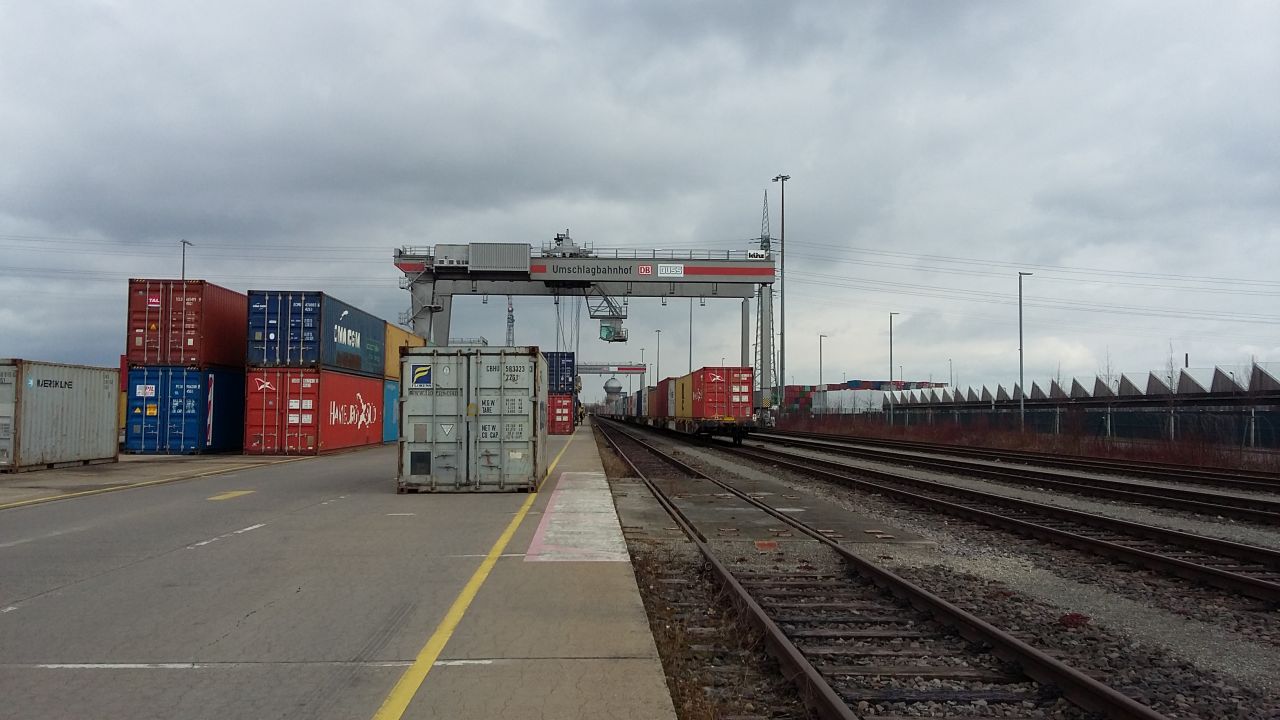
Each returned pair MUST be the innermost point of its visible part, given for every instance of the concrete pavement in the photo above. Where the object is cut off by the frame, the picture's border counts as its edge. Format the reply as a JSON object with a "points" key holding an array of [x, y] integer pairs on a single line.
{"points": [[305, 590]]}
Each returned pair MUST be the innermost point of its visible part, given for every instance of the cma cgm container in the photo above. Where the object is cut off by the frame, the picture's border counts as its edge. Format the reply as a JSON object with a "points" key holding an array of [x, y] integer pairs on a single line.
{"points": [[191, 323], [396, 339], [289, 328], [303, 411], [559, 414], [562, 371], [184, 410], [720, 393], [53, 414], [472, 419], [390, 415]]}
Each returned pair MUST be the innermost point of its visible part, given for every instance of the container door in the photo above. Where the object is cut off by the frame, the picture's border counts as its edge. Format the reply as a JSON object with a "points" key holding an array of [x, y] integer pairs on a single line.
{"points": [[8, 416], [434, 421], [390, 411], [184, 418], [505, 397]]}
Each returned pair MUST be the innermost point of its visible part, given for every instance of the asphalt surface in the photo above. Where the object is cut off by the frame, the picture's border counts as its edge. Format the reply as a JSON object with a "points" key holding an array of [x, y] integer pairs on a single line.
{"points": [[300, 590]]}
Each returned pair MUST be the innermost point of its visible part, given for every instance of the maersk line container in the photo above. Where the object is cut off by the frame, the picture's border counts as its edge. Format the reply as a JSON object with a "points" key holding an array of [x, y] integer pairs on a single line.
{"points": [[305, 329], [175, 410], [53, 415], [472, 419], [390, 415], [184, 322]]}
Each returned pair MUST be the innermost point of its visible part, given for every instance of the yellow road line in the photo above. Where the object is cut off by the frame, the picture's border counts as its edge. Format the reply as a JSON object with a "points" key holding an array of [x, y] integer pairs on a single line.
{"points": [[231, 494], [407, 686], [146, 483]]}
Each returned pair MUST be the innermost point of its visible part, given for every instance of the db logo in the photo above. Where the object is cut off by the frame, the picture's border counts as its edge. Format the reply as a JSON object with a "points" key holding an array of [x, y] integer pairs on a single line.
{"points": [[646, 270]]}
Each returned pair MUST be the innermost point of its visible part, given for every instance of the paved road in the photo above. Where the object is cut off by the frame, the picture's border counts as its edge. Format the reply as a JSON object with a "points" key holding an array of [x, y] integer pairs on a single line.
{"points": [[300, 590]]}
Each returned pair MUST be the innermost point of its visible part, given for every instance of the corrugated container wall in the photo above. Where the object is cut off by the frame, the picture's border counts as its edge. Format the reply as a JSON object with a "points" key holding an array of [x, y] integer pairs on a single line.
{"points": [[390, 412], [192, 323], [52, 414], [183, 410], [303, 411], [473, 419], [684, 396], [562, 370], [311, 330], [721, 393], [651, 402], [559, 414], [397, 338]]}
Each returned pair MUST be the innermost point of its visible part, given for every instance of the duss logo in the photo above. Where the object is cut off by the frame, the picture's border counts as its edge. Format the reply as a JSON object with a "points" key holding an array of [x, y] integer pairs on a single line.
{"points": [[420, 376]]}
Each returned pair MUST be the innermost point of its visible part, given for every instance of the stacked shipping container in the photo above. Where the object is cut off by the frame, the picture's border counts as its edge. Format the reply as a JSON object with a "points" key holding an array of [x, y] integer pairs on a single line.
{"points": [[317, 379], [562, 373], [185, 351]]}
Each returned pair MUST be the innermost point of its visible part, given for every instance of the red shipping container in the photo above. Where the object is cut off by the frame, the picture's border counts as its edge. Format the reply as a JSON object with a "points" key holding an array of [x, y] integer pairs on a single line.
{"points": [[296, 411], [661, 407], [193, 323], [722, 392], [559, 414]]}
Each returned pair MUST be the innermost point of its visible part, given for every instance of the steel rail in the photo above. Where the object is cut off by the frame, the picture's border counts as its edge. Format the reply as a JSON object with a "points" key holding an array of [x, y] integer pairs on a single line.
{"points": [[816, 692], [1244, 508], [1083, 690], [1256, 480], [1215, 577]]}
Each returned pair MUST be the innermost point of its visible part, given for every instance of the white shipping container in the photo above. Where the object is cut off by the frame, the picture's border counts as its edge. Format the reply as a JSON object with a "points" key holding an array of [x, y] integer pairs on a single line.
{"points": [[53, 415], [472, 419]]}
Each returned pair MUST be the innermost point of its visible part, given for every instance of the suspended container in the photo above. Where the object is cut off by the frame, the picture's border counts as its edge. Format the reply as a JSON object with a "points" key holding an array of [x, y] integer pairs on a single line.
{"points": [[191, 323], [184, 410], [300, 329], [303, 411], [54, 415], [472, 419], [562, 373]]}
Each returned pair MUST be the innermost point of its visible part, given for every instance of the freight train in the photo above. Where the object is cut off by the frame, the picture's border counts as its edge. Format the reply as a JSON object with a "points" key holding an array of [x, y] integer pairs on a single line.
{"points": [[707, 401]]}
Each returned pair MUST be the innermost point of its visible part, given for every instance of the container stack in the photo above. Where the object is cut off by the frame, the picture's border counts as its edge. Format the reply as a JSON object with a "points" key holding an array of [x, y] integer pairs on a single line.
{"points": [[562, 373], [798, 398], [317, 374], [396, 341], [185, 354]]}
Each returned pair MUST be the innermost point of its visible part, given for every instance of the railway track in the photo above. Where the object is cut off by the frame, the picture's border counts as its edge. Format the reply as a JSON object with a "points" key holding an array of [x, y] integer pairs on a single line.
{"points": [[1236, 567], [855, 635], [1252, 509], [1218, 477]]}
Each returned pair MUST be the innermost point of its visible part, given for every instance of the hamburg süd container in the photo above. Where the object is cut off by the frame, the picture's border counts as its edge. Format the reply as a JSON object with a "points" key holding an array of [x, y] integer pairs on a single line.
{"points": [[721, 393], [53, 414], [305, 411], [192, 323], [301, 329], [397, 338], [559, 414], [390, 414], [184, 410], [472, 419], [562, 371]]}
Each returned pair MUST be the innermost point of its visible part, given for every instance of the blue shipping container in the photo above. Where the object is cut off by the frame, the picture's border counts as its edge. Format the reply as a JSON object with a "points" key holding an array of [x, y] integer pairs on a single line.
{"points": [[390, 411], [179, 410], [562, 371], [290, 328]]}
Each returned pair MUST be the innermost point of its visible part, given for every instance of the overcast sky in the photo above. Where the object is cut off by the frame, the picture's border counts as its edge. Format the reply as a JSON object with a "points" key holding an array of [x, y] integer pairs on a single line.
{"points": [[1128, 154]]}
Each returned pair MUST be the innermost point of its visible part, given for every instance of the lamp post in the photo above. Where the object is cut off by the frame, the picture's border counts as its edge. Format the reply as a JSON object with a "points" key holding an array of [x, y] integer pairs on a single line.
{"points": [[657, 357], [951, 374], [782, 279], [891, 364], [185, 243], [1022, 388], [820, 337], [690, 334]]}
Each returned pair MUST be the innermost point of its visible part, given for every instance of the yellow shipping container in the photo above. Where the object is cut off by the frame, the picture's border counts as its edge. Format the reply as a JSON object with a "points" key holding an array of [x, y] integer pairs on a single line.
{"points": [[684, 396], [396, 339]]}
